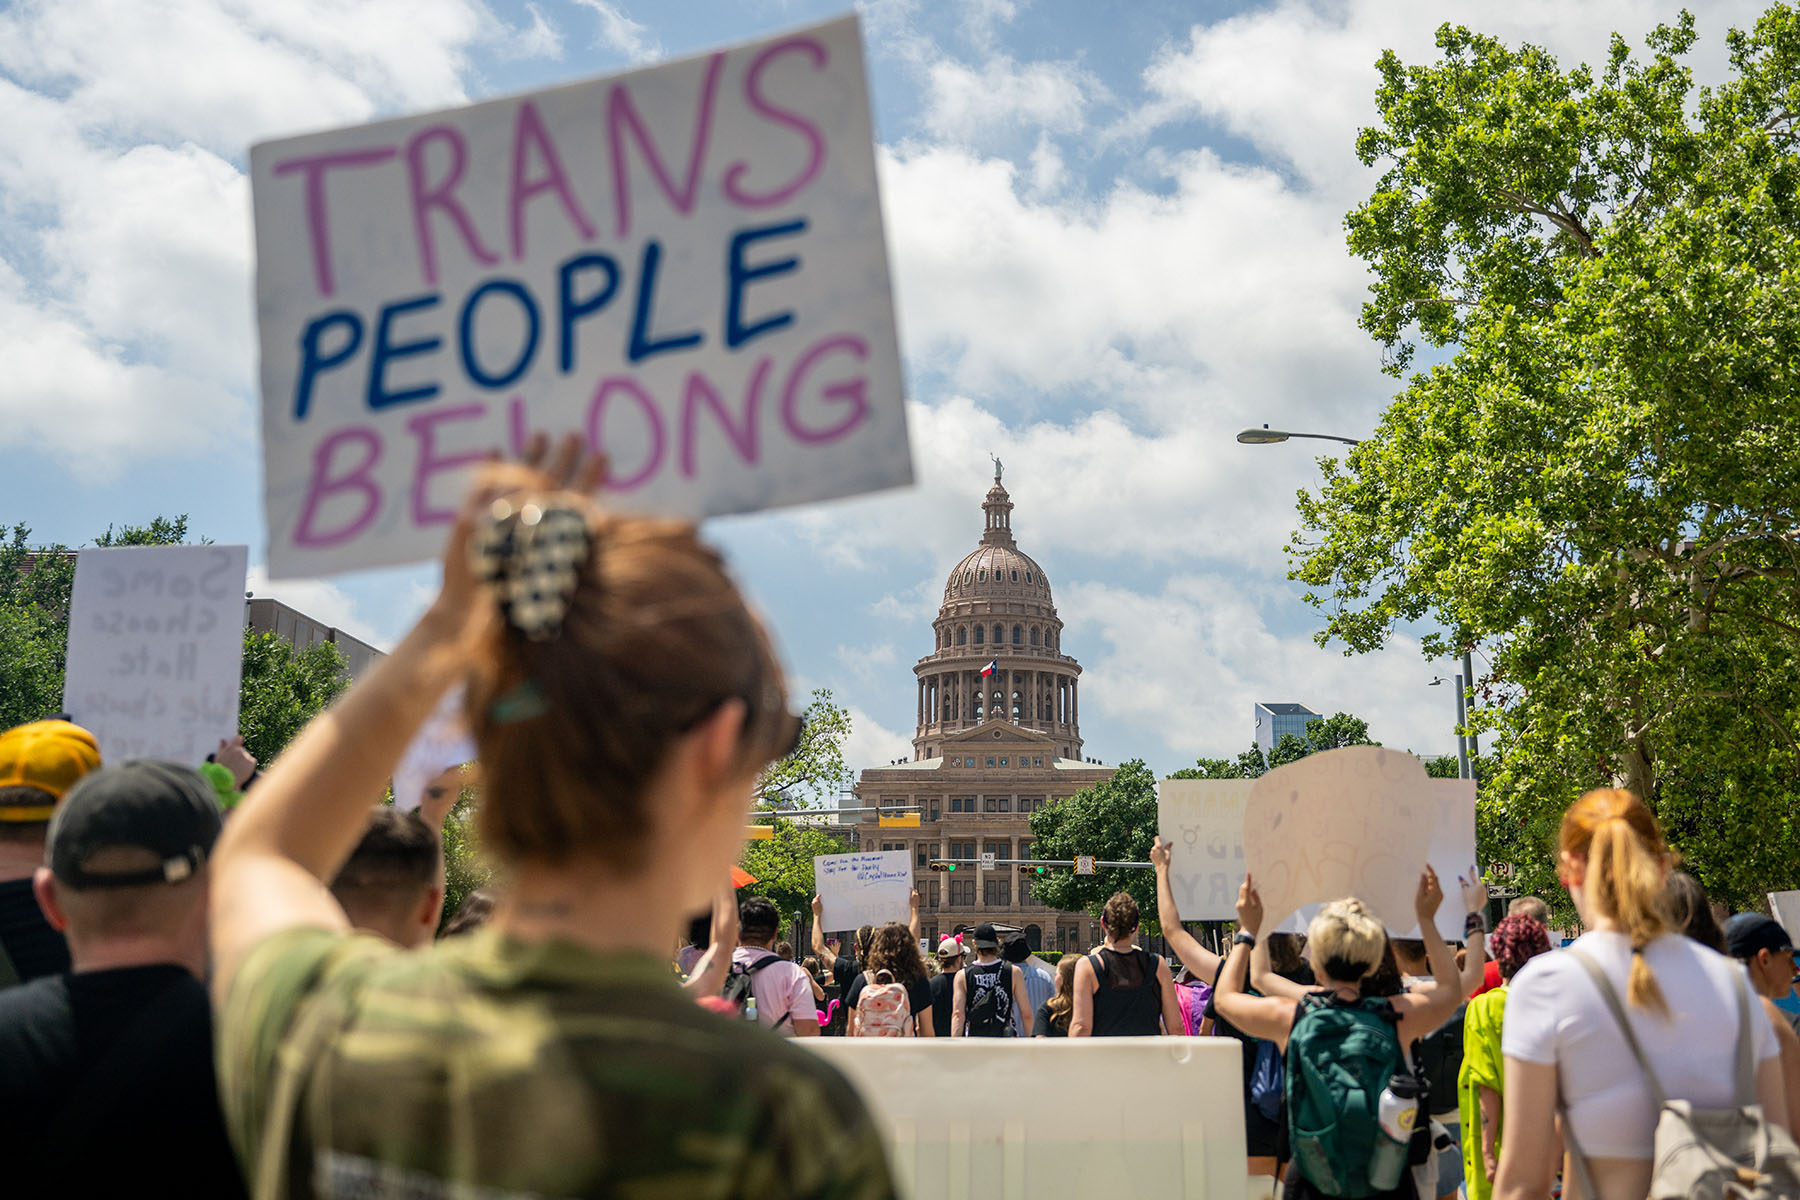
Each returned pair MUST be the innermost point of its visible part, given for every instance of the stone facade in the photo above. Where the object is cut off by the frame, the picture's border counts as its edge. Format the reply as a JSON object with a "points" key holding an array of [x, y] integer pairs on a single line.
{"points": [[989, 749]]}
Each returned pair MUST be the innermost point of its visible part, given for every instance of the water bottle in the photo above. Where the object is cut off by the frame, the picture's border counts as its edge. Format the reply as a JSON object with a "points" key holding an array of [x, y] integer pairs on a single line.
{"points": [[1399, 1109], [750, 1008]]}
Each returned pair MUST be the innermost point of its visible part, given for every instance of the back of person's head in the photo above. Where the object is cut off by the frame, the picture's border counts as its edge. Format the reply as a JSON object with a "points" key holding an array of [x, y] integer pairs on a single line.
{"points": [[810, 964], [1530, 906], [865, 935], [1062, 1003], [1345, 940], [1627, 861], [894, 950], [699, 931], [576, 706], [1410, 954], [1120, 916], [39, 763], [784, 950], [389, 884], [758, 922], [1016, 949], [474, 912], [127, 853], [1690, 913], [1286, 952], [1516, 941]]}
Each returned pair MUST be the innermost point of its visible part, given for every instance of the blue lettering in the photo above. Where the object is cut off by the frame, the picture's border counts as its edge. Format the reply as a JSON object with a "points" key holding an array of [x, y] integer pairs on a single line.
{"points": [[312, 362], [642, 346], [379, 396], [571, 309], [738, 276], [467, 333]]}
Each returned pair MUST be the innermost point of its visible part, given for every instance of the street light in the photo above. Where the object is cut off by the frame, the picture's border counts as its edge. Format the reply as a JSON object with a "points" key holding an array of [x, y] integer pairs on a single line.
{"points": [[1266, 436], [1466, 748]]}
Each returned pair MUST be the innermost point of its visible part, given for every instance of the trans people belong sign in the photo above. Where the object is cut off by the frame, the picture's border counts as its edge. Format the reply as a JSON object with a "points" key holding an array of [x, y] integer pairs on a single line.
{"points": [[684, 263]]}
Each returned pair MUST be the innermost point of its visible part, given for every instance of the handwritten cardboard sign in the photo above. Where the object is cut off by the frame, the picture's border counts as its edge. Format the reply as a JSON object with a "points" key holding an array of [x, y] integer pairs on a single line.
{"points": [[441, 743], [1360, 821], [1203, 820], [862, 889], [156, 648], [684, 263]]}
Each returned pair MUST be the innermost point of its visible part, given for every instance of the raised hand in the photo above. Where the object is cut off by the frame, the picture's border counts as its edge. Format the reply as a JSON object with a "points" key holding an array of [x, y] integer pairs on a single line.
{"points": [[1249, 907], [1474, 890], [1430, 895], [1160, 853]]}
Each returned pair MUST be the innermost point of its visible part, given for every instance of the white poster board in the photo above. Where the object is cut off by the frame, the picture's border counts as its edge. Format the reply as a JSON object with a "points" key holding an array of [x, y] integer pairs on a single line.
{"points": [[1786, 907], [685, 264], [156, 649], [862, 889], [441, 743]]}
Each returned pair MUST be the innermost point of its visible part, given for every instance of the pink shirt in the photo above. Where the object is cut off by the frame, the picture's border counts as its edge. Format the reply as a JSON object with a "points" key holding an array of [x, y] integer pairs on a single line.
{"points": [[781, 989]]}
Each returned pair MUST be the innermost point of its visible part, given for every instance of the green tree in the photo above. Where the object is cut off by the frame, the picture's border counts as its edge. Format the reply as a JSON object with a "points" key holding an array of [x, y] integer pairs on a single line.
{"points": [[1327, 733], [465, 868], [1597, 480], [283, 689], [1114, 820], [816, 770]]}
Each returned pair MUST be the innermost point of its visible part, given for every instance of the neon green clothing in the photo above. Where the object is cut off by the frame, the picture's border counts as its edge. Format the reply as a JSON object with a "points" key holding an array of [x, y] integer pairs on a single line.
{"points": [[485, 1067], [1482, 1066]]}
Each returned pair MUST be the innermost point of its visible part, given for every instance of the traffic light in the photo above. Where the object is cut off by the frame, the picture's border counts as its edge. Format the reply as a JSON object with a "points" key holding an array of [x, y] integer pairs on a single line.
{"points": [[1033, 869], [942, 864]]}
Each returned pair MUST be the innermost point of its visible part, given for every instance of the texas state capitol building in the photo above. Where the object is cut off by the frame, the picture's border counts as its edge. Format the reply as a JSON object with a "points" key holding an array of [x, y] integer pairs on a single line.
{"points": [[989, 750]]}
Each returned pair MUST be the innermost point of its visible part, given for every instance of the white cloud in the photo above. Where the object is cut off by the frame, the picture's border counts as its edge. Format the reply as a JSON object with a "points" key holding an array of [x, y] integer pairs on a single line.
{"points": [[867, 663], [619, 32], [971, 104], [541, 39], [1185, 666], [872, 744]]}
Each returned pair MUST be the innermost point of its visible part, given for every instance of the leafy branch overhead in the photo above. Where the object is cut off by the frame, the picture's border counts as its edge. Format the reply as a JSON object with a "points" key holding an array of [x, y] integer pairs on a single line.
{"points": [[1594, 478]]}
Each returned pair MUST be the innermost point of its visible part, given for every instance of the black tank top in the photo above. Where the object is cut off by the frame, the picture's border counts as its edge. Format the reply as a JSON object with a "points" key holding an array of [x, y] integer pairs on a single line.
{"points": [[1128, 1002]]}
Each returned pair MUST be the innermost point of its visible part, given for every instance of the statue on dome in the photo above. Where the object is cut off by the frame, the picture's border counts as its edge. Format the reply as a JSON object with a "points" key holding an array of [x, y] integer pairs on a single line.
{"points": [[997, 466]]}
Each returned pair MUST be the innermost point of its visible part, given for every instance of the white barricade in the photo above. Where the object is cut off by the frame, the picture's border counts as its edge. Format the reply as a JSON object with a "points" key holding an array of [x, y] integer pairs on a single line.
{"points": [[1044, 1118]]}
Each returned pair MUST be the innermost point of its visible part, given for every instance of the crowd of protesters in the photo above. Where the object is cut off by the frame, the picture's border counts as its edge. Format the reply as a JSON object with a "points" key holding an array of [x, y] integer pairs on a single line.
{"points": [[274, 1001]]}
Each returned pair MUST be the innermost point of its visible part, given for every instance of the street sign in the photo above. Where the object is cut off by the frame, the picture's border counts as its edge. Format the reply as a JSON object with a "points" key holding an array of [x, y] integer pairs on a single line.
{"points": [[758, 833], [899, 821], [1084, 864], [987, 862]]}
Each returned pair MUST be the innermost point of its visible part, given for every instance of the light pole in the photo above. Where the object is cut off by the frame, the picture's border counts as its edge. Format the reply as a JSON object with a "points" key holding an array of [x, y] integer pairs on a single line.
{"points": [[1466, 748]]}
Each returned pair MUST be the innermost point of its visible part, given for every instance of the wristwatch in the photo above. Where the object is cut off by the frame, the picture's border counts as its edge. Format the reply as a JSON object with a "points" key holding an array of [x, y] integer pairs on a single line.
{"points": [[1244, 939]]}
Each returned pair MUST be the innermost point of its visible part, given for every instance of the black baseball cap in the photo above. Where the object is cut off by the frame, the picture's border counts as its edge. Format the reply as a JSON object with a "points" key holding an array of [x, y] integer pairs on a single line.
{"points": [[983, 937], [1747, 933], [165, 808]]}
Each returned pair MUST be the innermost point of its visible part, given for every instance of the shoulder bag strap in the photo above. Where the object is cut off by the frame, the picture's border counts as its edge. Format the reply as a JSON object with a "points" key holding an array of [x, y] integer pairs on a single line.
{"points": [[1746, 1052]]}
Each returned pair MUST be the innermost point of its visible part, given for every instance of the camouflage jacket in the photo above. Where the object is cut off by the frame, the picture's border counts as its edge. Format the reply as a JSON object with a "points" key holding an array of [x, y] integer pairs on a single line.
{"points": [[485, 1067]]}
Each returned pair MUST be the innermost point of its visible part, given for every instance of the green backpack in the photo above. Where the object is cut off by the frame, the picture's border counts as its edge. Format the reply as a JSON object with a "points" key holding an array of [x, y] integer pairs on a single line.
{"points": [[1340, 1056]]}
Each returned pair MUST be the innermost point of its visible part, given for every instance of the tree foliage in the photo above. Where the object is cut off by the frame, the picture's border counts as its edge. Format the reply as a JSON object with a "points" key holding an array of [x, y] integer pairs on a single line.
{"points": [[283, 689], [1115, 821], [1597, 481], [783, 865], [1327, 733], [816, 769]]}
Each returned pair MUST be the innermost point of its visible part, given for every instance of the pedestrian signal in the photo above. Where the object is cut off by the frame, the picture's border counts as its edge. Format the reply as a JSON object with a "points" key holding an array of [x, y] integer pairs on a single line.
{"points": [[942, 864]]}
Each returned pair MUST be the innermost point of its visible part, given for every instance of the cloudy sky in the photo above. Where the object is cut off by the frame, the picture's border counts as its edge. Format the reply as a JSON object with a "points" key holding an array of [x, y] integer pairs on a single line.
{"points": [[1116, 233]]}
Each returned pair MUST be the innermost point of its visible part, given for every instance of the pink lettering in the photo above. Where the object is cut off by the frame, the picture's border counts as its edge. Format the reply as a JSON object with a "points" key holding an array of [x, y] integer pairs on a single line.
{"points": [[431, 463], [528, 132], [622, 115], [323, 483], [781, 116], [854, 391], [318, 223], [616, 482], [442, 196], [699, 390]]}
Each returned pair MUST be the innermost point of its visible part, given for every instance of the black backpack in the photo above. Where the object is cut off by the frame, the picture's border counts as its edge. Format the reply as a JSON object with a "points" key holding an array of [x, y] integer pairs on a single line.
{"points": [[987, 1011], [737, 986]]}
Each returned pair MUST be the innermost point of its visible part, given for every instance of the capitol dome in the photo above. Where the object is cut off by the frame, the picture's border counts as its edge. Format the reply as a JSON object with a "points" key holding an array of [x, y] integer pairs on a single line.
{"points": [[997, 609]]}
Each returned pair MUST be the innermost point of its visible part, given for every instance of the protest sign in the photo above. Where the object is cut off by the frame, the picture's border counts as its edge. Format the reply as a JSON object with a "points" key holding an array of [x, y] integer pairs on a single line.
{"points": [[156, 647], [685, 264], [1786, 907], [441, 743], [1360, 821], [1203, 821], [862, 889]]}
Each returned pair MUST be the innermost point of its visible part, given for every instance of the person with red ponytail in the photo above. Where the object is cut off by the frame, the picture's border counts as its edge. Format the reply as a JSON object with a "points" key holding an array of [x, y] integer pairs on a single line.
{"points": [[1564, 1049]]}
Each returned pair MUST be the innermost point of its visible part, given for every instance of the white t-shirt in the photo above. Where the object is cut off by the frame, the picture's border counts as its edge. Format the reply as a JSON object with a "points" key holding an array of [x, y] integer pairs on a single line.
{"points": [[781, 988], [1556, 1016]]}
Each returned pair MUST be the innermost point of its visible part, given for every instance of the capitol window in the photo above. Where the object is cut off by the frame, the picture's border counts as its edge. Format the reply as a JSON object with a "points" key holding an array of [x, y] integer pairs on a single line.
{"points": [[1028, 577], [962, 634], [999, 634], [1034, 635], [1015, 577], [1018, 636], [982, 575], [966, 576], [1003, 762]]}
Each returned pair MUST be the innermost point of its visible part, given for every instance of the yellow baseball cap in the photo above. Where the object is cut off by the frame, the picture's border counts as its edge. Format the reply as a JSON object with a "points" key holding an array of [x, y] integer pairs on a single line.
{"points": [[49, 756]]}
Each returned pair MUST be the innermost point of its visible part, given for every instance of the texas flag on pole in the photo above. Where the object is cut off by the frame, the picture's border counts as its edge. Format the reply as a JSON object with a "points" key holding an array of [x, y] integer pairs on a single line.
{"points": [[990, 669]]}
